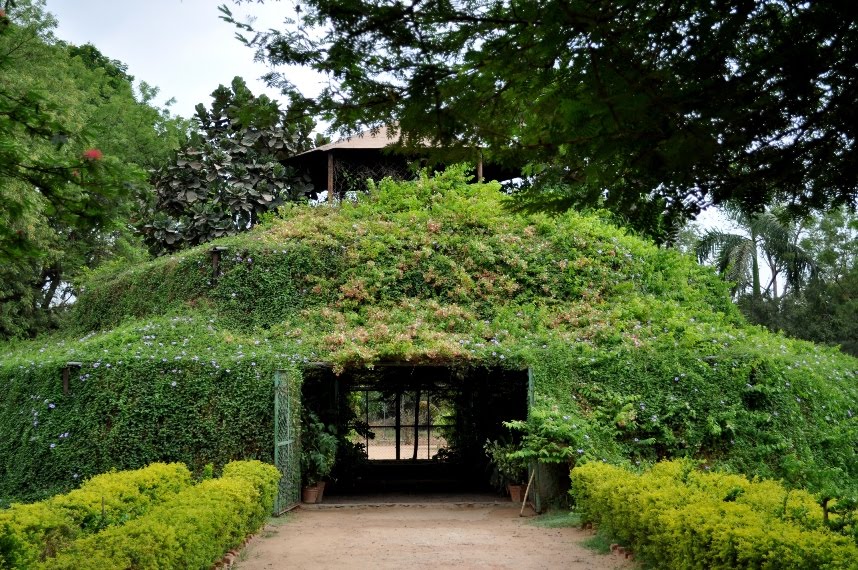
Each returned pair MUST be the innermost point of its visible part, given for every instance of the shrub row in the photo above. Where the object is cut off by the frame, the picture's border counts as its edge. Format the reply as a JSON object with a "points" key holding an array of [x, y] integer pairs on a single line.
{"points": [[193, 530], [675, 517], [33, 532]]}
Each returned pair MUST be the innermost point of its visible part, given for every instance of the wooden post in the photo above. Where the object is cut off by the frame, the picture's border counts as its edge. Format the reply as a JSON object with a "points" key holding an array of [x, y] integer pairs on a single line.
{"points": [[526, 492], [416, 424], [216, 252], [67, 375], [331, 177], [398, 421], [215, 262]]}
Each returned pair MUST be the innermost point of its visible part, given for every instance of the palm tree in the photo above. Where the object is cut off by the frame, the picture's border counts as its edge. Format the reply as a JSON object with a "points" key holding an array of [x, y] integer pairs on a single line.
{"points": [[763, 236]]}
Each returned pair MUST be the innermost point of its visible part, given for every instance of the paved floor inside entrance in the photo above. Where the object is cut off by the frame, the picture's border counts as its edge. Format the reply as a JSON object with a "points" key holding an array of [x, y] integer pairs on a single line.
{"points": [[436, 535], [403, 497]]}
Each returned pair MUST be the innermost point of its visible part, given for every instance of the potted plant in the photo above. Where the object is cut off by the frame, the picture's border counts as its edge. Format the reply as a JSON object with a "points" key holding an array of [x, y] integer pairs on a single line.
{"points": [[318, 452], [509, 471]]}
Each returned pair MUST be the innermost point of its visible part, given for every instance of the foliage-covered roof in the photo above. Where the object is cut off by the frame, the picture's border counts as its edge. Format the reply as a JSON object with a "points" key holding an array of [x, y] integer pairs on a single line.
{"points": [[636, 351], [419, 270]]}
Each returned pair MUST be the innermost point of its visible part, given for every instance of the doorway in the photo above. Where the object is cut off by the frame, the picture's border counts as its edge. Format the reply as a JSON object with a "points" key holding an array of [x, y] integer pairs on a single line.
{"points": [[407, 429]]}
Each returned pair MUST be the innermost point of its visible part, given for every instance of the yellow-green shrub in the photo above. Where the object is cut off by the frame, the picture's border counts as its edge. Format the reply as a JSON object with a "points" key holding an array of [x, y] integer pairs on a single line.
{"points": [[193, 530], [676, 517], [766, 496], [32, 532], [264, 478]]}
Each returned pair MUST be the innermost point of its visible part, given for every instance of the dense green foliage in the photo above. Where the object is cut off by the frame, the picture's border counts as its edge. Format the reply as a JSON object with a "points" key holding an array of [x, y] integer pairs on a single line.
{"points": [[824, 309], [35, 531], [822, 312], [674, 516], [169, 389], [192, 529], [636, 352], [229, 172], [651, 109], [76, 139], [318, 449]]}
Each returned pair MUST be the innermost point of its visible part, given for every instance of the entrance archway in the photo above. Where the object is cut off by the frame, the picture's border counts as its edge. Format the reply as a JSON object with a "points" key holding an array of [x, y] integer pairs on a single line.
{"points": [[415, 429]]}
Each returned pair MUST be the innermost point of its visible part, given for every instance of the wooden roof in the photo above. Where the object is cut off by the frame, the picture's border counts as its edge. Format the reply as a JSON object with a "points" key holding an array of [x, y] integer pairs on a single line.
{"points": [[370, 139]]}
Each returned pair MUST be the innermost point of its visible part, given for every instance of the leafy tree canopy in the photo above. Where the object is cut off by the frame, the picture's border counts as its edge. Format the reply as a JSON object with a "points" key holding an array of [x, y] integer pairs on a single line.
{"points": [[75, 142], [229, 172], [650, 108]]}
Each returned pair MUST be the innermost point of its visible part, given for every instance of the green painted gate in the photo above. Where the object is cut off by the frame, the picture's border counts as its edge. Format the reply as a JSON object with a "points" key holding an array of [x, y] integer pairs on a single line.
{"points": [[287, 439]]}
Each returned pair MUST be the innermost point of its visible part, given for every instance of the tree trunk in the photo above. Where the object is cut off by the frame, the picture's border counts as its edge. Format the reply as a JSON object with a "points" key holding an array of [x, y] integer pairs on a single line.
{"points": [[755, 267], [52, 274]]}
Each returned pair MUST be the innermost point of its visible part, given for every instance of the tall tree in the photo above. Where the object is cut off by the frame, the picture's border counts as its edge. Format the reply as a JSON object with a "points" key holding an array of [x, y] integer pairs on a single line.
{"points": [[763, 237], [652, 109], [75, 142], [824, 310], [229, 172]]}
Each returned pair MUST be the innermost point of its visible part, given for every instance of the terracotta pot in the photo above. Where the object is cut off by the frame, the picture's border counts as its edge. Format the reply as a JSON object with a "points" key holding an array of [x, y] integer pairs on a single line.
{"points": [[321, 486], [516, 492], [310, 495]]}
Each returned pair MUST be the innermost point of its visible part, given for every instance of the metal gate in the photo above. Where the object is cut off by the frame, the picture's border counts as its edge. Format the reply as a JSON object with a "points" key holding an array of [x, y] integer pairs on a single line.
{"points": [[287, 438]]}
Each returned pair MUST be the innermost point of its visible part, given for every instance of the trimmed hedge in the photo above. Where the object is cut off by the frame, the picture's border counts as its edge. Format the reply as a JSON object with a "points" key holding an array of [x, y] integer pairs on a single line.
{"points": [[32, 532], [193, 530], [175, 390], [676, 517]]}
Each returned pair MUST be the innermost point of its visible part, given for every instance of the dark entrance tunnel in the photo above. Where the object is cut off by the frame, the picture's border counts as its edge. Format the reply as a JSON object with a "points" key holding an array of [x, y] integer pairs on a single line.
{"points": [[414, 430]]}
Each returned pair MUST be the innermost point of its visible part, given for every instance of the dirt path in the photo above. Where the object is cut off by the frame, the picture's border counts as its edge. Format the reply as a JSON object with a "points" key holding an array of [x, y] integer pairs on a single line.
{"points": [[427, 536]]}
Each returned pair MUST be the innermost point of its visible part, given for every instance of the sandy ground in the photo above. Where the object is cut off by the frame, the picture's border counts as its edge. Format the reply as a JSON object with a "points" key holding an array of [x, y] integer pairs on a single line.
{"points": [[436, 536], [378, 450]]}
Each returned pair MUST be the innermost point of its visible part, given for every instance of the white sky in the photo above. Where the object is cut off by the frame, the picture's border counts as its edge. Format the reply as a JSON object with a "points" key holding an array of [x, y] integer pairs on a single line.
{"points": [[180, 46]]}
